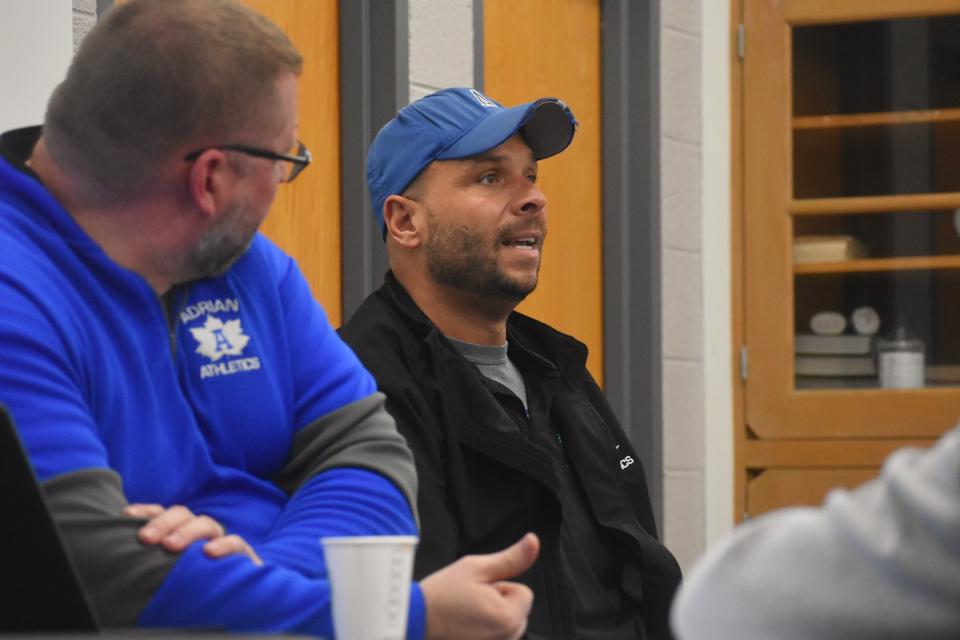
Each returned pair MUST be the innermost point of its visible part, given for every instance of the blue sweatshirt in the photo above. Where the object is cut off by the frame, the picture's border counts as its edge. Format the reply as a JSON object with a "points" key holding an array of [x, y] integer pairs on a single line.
{"points": [[206, 409]]}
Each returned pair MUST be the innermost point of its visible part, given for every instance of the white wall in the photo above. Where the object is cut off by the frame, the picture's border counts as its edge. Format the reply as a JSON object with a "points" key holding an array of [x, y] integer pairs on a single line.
{"points": [[696, 234], [682, 278], [719, 353], [36, 44], [84, 19], [441, 45]]}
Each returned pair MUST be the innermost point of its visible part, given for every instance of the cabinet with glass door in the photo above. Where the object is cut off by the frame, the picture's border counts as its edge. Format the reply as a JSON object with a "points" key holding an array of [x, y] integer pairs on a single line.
{"points": [[851, 227]]}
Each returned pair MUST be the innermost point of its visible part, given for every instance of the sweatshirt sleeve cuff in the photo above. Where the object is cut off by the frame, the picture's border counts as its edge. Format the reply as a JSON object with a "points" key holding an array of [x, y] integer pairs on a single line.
{"points": [[417, 617]]}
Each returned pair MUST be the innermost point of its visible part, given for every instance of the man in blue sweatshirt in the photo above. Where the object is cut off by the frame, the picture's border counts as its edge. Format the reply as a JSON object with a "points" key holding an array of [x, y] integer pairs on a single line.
{"points": [[157, 349]]}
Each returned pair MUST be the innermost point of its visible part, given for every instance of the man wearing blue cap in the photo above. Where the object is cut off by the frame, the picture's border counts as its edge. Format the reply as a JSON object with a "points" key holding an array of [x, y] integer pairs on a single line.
{"points": [[510, 433]]}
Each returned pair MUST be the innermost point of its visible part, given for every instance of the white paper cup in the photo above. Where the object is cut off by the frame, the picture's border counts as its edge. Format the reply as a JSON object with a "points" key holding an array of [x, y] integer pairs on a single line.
{"points": [[370, 580]]}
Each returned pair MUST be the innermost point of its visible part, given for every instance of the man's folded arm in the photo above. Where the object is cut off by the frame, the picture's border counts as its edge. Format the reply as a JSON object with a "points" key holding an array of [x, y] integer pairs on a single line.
{"points": [[130, 583], [360, 434], [350, 473]]}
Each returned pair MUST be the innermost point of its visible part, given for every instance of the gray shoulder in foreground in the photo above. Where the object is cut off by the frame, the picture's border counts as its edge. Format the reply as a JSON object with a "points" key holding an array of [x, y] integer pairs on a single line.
{"points": [[360, 434], [119, 573], [881, 561]]}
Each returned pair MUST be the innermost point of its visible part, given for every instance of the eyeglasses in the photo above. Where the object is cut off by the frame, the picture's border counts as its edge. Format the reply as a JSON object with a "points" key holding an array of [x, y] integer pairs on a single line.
{"points": [[297, 163]]}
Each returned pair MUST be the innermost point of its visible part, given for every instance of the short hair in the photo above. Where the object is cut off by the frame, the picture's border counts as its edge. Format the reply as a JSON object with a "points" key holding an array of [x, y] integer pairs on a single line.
{"points": [[155, 76]]}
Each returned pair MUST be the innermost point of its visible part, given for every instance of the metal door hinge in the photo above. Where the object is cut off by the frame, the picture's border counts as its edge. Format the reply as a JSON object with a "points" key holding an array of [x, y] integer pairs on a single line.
{"points": [[741, 41], [744, 370]]}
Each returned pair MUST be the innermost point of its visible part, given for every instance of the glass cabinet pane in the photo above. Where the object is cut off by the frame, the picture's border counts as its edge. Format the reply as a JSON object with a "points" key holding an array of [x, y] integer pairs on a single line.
{"points": [[902, 234], [924, 302], [876, 113], [878, 66], [886, 159]]}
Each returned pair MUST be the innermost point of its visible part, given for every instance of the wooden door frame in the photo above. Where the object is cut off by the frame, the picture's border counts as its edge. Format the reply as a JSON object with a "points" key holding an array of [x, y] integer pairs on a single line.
{"points": [[737, 271]]}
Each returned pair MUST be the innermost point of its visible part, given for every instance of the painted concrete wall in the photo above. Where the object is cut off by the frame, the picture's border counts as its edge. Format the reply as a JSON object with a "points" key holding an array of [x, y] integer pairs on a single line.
{"points": [[695, 219], [84, 18], [38, 40], [36, 50], [695, 223], [681, 223], [719, 353], [441, 45]]}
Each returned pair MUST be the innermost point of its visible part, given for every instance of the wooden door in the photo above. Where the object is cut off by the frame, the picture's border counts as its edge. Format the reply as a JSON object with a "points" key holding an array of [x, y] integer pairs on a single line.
{"points": [[538, 48], [305, 218]]}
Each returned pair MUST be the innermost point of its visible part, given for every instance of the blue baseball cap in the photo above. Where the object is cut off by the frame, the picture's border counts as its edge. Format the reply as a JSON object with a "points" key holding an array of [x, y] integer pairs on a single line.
{"points": [[458, 123]]}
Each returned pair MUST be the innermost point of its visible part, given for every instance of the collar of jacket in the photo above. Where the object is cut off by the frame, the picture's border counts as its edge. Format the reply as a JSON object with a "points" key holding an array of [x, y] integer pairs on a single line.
{"points": [[535, 344], [622, 503], [16, 146]]}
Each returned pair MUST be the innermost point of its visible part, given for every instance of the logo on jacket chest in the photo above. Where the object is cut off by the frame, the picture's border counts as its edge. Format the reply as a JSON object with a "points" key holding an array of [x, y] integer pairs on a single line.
{"points": [[221, 341]]}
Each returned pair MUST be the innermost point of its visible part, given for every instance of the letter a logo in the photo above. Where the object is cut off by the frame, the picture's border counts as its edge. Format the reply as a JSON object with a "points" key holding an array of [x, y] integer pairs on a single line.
{"points": [[216, 339], [222, 343]]}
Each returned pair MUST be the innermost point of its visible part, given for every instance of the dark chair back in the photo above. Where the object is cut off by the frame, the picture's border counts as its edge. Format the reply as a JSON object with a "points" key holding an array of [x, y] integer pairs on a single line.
{"points": [[39, 586]]}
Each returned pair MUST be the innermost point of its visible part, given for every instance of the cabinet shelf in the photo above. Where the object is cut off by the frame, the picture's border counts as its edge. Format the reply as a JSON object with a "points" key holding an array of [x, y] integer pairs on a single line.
{"points": [[839, 121], [879, 264], [874, 204]]}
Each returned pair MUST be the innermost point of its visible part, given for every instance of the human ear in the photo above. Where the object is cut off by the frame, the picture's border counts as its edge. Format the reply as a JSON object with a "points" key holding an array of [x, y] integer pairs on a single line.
{"points": [[208, 181], [401, 218]]}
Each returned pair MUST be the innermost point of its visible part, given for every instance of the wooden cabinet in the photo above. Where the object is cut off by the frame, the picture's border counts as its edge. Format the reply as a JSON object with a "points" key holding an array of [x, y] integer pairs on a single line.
{"points": [[850, 135]]}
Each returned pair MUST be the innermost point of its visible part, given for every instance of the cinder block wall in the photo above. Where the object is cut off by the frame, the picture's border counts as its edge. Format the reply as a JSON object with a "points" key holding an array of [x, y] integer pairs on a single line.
{"points": [[441, 45], [84, 17], [681, 223]]}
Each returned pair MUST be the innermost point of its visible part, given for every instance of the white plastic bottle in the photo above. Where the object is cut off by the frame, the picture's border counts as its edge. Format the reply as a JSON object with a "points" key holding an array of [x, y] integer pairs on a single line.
{"points": [[900, 358]]}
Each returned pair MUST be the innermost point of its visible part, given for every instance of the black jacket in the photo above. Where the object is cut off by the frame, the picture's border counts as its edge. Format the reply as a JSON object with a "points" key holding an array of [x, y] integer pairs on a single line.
{"points": [[483, 483]]}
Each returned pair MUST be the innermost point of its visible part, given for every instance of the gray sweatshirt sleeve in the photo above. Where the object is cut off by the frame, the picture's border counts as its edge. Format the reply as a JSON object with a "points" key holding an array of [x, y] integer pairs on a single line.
{"points": [[120, 574], [361, 434], [882, 561]]}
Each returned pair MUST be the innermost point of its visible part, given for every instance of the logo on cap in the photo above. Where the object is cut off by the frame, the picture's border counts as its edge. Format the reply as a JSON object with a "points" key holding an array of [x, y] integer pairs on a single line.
{"points": [[483, 100]]}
